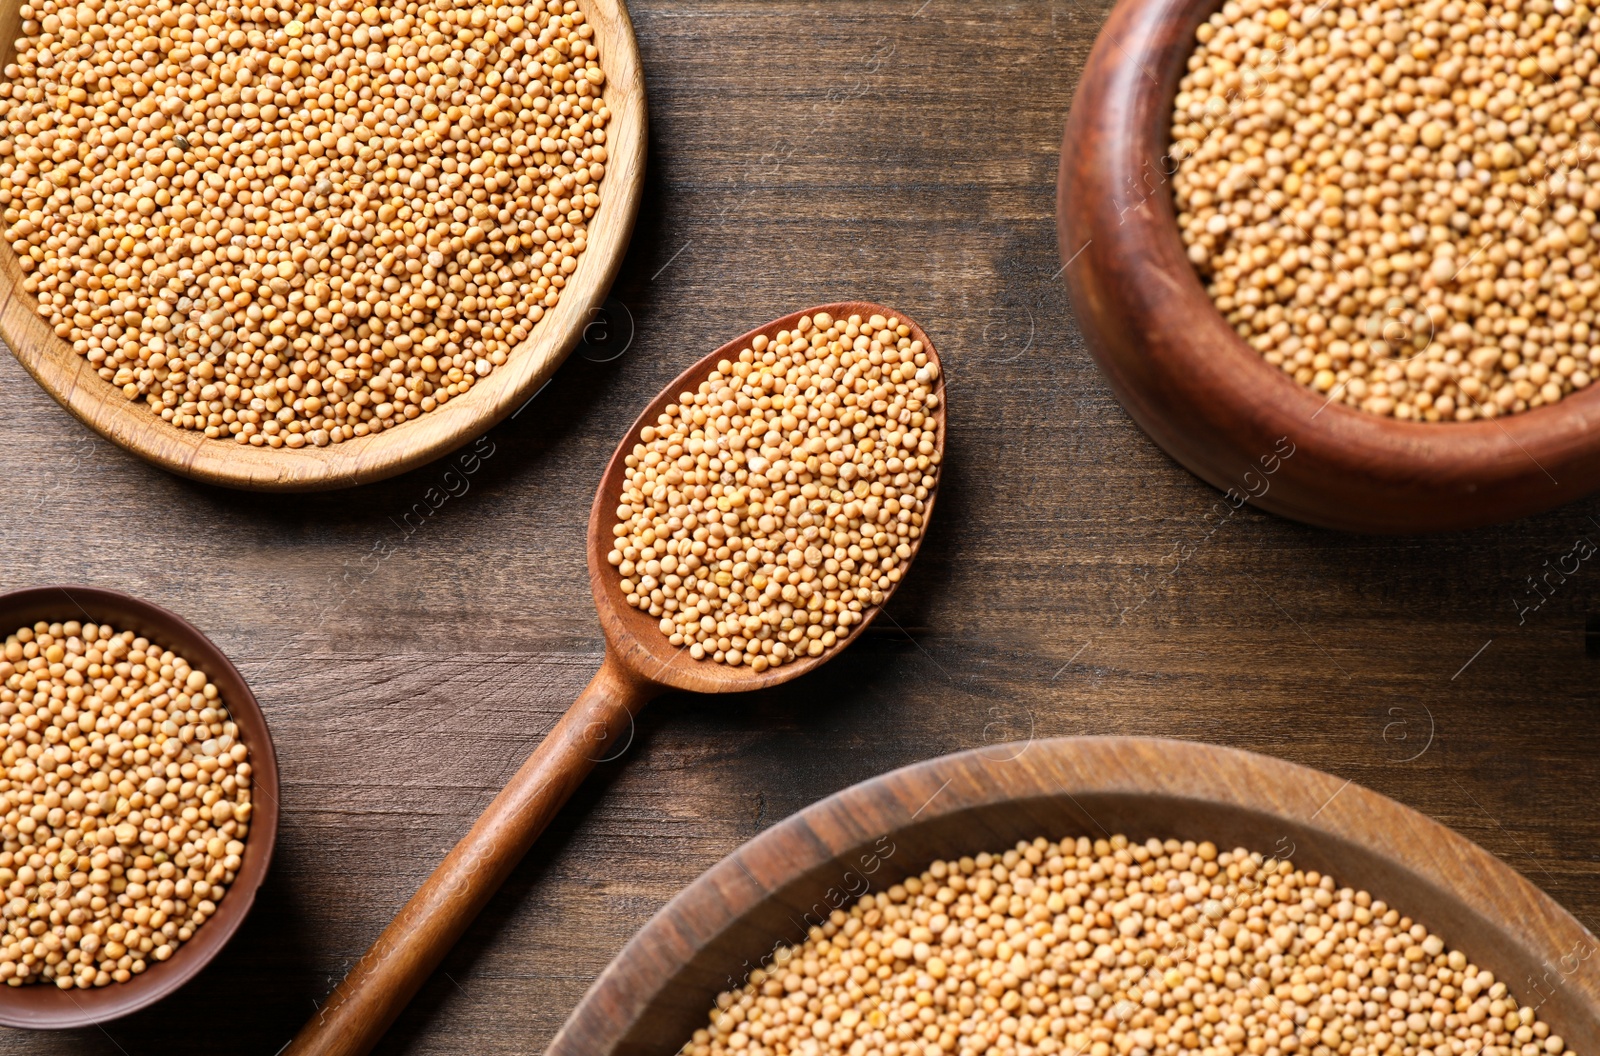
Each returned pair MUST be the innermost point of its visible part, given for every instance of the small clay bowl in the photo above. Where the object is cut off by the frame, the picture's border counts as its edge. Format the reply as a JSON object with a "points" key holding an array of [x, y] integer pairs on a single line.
{"points": [[133, 426], [660, 988], [41, 1006], [1209, 399]]}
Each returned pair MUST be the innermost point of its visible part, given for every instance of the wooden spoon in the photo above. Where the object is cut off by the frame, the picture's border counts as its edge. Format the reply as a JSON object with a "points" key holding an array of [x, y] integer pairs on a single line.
{"points": [[639, 664]]}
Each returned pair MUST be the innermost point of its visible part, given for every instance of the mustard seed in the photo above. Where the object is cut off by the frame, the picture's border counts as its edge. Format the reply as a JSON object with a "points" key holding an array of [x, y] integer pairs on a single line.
{"points": [[125, 793], [764, 513], [1106, 947], [1394, 201], [293, 224]]}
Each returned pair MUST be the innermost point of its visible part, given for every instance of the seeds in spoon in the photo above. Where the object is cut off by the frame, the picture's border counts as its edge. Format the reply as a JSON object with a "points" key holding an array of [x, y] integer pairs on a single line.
{"points": [[1115, 948], [125, 795], [764, 513], [296, 224]]}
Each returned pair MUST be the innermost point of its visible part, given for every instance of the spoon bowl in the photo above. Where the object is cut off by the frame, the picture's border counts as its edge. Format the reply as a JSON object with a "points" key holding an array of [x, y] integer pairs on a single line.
{"points": [[640, 662], [633, 635]]}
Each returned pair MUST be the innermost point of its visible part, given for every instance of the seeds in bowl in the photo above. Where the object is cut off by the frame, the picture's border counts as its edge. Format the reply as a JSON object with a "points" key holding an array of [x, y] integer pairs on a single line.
{"points": [[1113, 947], [125, 793], [1394, 201], [765, 512], [296, 224]]}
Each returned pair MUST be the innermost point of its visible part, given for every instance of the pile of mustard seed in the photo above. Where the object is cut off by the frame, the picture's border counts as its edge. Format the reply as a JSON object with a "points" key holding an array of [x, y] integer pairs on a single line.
{"points": [[1114, 948], [292, 223], [124, 804], [1394, 201], [765, 512]]}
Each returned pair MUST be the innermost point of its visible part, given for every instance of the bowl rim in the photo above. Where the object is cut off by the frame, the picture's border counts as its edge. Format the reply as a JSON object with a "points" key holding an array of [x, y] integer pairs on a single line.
{"points": [[131, 425], [1186, 376], [1198, 776], [43, 1007]]}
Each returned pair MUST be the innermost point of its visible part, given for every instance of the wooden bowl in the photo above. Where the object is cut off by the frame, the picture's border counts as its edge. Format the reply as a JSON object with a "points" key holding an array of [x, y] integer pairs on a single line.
{"points": [[661, 986], [42, 1006], [76, 386], [1209, 399]]}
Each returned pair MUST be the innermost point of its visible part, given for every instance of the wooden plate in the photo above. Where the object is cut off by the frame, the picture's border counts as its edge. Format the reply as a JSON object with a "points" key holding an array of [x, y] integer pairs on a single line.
{"points": [[661, 986], [1208, 398], [69, 378], [42, 1006]]}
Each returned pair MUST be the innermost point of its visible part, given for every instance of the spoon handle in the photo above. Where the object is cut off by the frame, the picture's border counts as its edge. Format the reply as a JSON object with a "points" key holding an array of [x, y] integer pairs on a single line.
{"points": [[358, 1012]]}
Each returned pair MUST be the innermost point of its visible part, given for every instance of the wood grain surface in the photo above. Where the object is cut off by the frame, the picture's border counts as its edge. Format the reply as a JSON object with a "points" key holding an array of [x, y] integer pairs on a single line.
{"points": [[411, 641]]}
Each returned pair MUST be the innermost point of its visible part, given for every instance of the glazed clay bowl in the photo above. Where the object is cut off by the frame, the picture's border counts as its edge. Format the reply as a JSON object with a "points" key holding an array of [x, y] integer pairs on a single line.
{"points": [[1209, 399], [41, 1005], [68, 377], [660, 988]]}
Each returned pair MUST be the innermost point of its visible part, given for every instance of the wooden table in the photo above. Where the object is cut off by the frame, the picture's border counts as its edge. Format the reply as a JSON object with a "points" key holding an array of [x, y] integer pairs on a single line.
{"points": [[409, 656]]}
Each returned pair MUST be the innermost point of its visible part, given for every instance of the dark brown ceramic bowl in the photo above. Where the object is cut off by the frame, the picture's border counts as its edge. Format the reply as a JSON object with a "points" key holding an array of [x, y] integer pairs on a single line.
{"points": [[42, 1006], [660, 988], [1208, 398]]}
